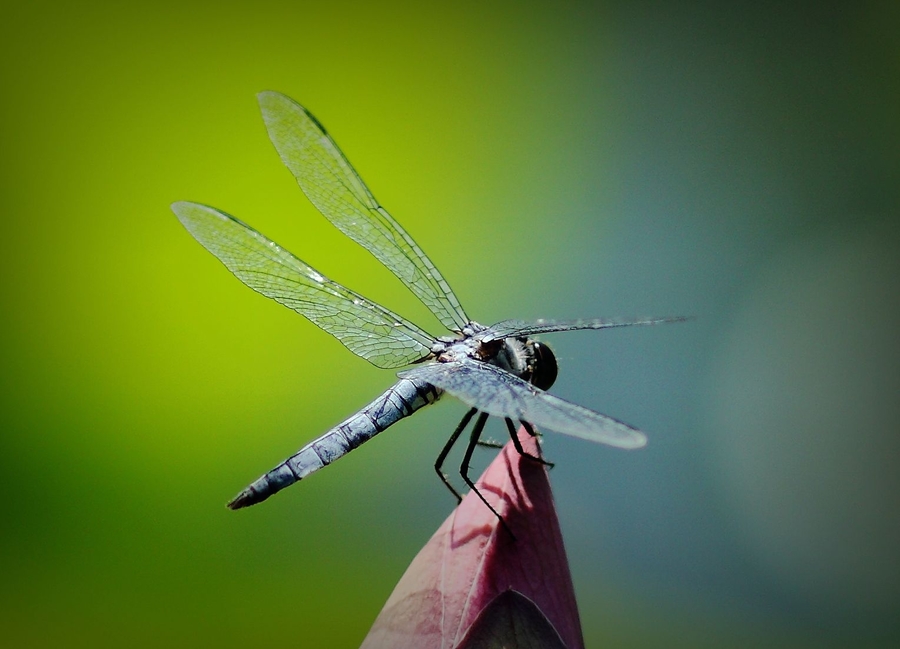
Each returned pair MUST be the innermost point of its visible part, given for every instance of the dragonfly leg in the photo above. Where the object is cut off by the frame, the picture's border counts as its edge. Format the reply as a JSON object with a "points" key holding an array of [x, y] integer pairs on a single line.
{"points": [[515, 440], [528, 428], [464, 468], [439, 463], [531, 431]]}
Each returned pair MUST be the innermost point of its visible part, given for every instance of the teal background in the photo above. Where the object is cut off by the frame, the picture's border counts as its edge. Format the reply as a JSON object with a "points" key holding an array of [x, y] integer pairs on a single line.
{"points": [[735, 163]]}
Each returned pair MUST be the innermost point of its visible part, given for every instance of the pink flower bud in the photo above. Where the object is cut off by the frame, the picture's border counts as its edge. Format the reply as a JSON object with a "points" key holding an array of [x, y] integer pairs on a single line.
{"points": [[473, 583]]}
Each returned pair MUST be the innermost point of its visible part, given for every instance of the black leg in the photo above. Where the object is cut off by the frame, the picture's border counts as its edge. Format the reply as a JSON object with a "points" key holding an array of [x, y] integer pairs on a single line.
{"points": [[515, 440], [464, 467], [439, 463], [514, 437]]}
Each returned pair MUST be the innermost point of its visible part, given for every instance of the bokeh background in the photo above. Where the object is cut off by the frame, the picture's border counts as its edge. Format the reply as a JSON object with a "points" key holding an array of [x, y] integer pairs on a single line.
{"points": [[739, 163]]}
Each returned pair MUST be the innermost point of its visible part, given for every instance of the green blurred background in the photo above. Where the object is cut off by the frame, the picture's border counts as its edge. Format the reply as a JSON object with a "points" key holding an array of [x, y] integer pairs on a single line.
{"points": [[738, 163]]}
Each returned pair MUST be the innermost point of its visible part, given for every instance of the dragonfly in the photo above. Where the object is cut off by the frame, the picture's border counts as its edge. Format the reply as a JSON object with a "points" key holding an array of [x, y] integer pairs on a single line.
{"points": [[496, 371]]}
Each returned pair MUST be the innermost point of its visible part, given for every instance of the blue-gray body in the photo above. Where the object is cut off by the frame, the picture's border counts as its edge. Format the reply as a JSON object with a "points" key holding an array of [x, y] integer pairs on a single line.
{"points": [[399, 401]]}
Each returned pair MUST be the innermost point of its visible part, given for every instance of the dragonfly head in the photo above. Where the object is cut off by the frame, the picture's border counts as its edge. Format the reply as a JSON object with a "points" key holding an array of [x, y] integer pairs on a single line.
{"points": [[527, 359], [543, 366]]}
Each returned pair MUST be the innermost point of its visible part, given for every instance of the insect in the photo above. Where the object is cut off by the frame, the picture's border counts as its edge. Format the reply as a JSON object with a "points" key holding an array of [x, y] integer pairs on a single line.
{"points": [[496, 370]]}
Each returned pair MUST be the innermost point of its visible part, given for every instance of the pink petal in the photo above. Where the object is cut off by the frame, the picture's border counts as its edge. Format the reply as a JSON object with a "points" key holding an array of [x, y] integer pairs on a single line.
{"points": [[472, 559]]}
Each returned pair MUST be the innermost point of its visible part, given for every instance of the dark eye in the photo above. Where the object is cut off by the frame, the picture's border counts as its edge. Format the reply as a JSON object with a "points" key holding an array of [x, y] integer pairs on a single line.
{"points": [[544, 373]]}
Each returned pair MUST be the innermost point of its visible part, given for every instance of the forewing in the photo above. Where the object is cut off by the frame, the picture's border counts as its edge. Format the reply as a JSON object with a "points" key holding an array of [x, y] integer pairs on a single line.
{"points": [[508, 328], [499, 393], [337, 191], [365, 328]]}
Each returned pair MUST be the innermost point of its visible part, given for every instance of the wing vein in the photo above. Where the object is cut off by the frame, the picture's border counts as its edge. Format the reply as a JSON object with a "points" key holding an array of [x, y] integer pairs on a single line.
{"points": [[337, 191], [499, 393], [367, 329]]}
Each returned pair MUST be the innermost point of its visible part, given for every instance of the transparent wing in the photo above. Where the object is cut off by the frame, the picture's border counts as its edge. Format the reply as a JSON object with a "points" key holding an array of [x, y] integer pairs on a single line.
{"points": [[501, 394], [337, 191], [365, 328], [508, 328]]}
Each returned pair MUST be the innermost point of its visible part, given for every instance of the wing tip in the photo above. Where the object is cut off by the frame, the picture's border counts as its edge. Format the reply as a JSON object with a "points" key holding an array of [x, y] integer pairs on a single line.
{"points": [[192, 214], [180, 207], [265, 95], [271, 99], [636, 442]]}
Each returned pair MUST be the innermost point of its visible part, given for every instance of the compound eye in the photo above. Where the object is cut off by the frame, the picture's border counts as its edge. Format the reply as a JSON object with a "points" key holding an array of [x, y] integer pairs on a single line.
{"points": [[544, 373]]}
